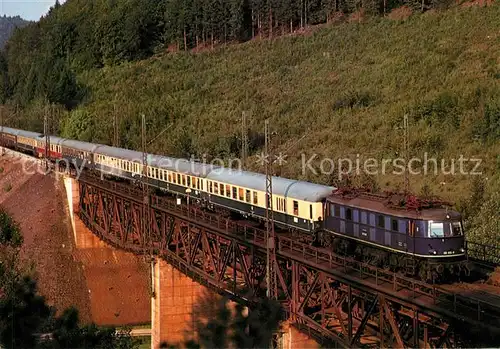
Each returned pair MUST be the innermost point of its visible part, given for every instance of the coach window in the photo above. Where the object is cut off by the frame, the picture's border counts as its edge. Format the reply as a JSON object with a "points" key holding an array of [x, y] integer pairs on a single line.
{"points": [[179, 179], [295, 208], [228, 191], [188, 181], [169, 174], [380, 221], [235, 193], [209, 186], [241, 193], [348, 214], [221, 189], [394, 224], [248, 198], [255, 198]]}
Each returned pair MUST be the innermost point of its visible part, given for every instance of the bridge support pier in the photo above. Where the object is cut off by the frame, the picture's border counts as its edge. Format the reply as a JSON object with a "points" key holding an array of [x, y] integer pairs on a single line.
{"points": [[173, 297], [293, 338]]}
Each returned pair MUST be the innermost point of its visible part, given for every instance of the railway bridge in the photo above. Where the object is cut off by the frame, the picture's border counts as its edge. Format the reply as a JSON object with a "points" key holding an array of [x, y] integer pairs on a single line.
{"points": [[338, 301]]}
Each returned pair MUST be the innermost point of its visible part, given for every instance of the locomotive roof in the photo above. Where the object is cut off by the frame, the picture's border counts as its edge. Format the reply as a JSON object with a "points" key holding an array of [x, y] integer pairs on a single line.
{"points": [[436, 214], [289, 188]]}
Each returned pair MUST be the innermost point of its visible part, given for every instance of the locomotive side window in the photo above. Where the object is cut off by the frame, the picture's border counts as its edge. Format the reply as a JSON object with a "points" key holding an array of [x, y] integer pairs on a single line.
{"points": [[348, 214], [332, 210], [380, 221], [337, 210], [456, 229], [394, 224], [310, 211], [295, 208], [411, 228], [436, 230]]}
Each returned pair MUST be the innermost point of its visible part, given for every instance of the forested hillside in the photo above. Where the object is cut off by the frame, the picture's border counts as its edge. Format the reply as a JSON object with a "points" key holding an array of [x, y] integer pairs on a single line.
{"points": [[86, 34], [335, 90], [7, 27]]}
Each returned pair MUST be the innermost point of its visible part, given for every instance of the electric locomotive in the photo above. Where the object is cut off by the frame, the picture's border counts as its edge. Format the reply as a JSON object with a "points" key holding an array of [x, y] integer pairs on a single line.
{"points": [[420, 237]]}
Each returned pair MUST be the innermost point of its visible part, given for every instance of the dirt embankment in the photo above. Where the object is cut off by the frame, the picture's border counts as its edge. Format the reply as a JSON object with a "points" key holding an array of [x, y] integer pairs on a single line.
{"points": [[107, 286], [37, 203]]}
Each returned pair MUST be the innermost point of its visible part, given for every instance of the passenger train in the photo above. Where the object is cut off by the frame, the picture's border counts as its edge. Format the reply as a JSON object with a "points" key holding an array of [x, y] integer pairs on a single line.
{"points": [[426, 240]]}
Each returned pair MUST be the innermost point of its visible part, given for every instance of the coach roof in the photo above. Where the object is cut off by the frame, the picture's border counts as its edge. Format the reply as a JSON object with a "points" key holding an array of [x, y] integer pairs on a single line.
{"points": [[289, 188]]}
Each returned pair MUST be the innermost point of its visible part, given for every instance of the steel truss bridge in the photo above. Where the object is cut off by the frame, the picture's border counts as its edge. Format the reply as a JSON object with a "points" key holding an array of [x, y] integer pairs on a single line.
{"points": [[339, 301]]}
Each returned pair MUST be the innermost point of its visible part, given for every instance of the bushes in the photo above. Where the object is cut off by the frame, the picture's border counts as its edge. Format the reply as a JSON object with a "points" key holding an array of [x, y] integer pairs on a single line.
{"points": [[10, 233], [485, 224], [488, 127]]}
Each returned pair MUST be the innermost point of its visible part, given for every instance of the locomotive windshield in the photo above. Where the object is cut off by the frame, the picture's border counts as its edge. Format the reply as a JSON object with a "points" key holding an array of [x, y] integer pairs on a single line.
{"points": [[441, 229], [436, 229]]}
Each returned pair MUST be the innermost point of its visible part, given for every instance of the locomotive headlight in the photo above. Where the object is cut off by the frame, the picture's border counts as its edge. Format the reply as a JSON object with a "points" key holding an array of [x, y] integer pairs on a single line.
{"points": [[462, 250], [432, 252]]}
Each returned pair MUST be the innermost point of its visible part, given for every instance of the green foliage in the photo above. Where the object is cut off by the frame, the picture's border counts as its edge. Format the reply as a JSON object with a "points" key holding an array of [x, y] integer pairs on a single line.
{"points": [[68, 334], [354, 99], [441, 110], [10, 233], [485, 225], [488, 127], [78, 125], [22, 314]]}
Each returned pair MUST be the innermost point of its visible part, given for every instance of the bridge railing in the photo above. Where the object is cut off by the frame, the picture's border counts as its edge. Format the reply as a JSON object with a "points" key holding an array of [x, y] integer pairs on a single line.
{"points": [[483, 253]]}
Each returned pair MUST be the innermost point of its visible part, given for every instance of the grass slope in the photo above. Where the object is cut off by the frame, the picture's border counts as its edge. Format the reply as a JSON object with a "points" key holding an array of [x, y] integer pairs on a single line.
{"points": [[345, 88]]}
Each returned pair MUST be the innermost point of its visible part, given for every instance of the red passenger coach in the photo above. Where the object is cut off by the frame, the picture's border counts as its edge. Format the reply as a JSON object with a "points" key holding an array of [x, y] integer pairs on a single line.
{"points": [[55, 151]]}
